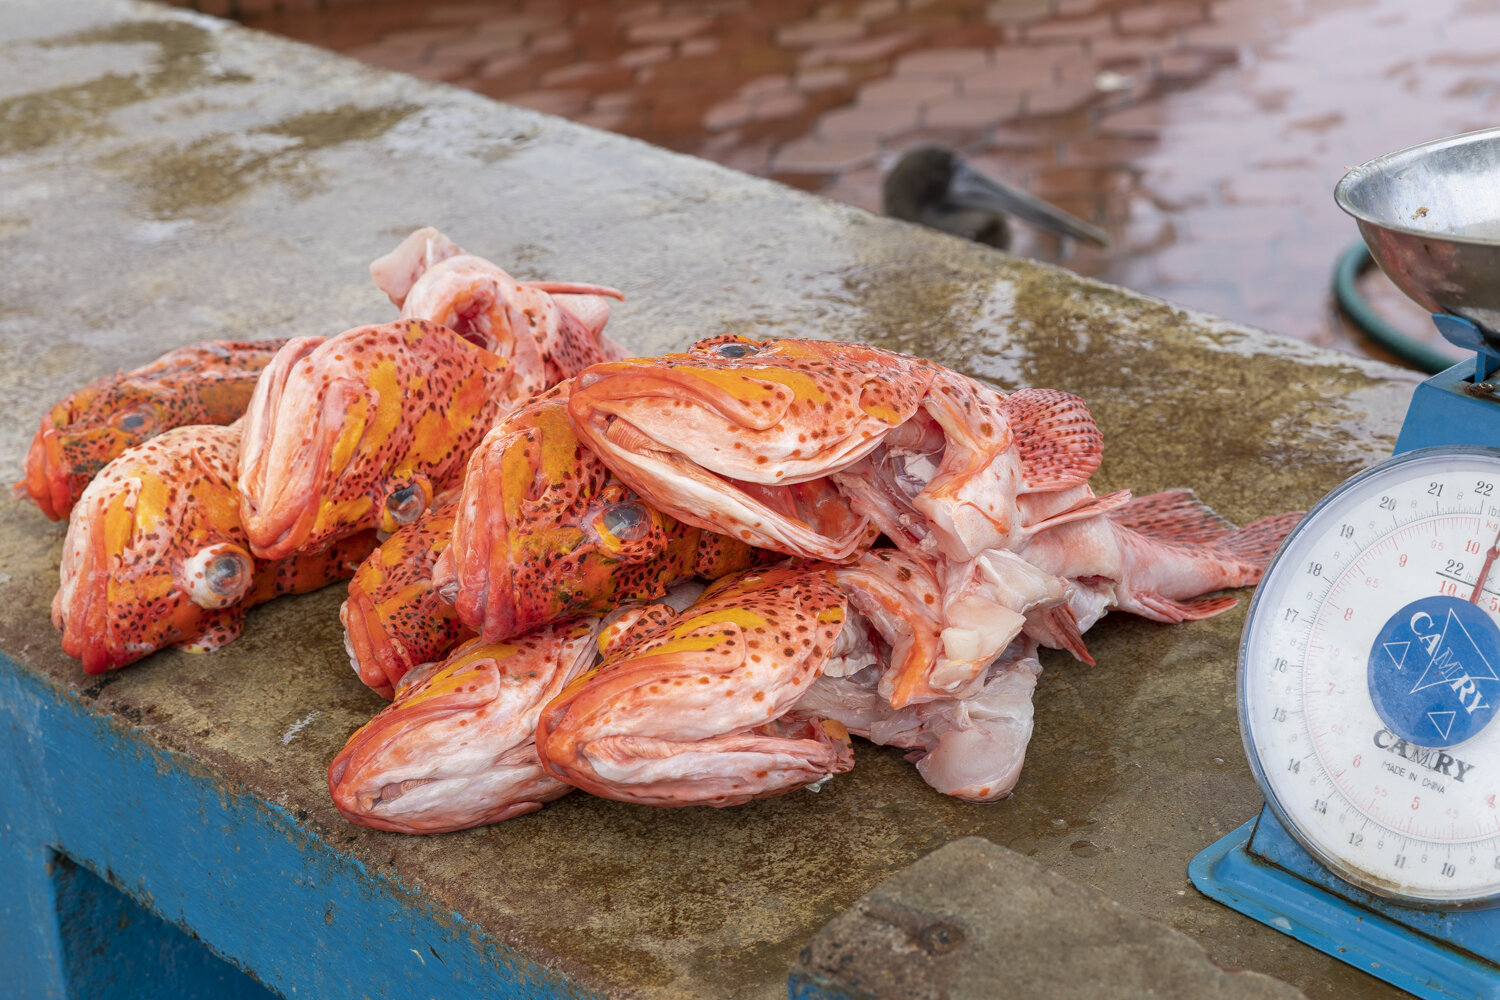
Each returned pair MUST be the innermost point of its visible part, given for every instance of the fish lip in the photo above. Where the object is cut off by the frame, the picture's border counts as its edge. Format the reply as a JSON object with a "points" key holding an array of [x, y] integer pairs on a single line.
{"points": [[268, 543], [347, 776], [648, 378], [374, 660], [281, 494], [46, 480], [87, 645], [84, 619], [479, 555]]}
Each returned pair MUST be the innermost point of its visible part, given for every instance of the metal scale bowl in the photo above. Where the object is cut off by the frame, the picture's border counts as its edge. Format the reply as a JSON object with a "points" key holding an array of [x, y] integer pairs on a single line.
{"points": [[1430, 215]]}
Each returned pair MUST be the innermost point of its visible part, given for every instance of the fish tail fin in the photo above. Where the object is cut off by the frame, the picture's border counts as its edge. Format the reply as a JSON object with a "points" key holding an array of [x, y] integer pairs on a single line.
{"points": [[1208, 553], [1258, 541], [1176, 517]]}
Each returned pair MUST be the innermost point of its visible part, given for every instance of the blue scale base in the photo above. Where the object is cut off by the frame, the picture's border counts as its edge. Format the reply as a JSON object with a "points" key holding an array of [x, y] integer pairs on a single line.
{"points": [[1444, 411], [1263, 873]]}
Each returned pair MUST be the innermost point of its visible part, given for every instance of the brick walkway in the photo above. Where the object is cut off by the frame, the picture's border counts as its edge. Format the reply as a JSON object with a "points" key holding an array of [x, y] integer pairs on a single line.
{"points": [[1206, 135]]}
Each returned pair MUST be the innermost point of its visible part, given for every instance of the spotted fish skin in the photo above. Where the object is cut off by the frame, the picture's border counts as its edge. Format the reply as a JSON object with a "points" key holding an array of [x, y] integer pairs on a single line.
{"points": [[361, 430], [204, 383], [394, 619], [155, 554], [456, 747], [694, 710], [545, 532]]}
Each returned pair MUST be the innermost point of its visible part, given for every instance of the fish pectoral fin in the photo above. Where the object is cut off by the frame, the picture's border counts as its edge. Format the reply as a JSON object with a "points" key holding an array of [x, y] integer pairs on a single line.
{"points": [[1060, 444], [221, 633], [1086, 508], [1164, 609], [1057, 628]]}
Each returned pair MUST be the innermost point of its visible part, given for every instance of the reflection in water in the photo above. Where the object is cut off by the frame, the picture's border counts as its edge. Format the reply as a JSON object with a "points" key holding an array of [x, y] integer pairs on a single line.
{"points": [[1205, 137]]}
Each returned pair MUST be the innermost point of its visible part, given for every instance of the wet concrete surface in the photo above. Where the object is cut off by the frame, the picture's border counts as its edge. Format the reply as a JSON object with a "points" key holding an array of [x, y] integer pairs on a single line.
{"points": [[220, 183], [1206, 137]]}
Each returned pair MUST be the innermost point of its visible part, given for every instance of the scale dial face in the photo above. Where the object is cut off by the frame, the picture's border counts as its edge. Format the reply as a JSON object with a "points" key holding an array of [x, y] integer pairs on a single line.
{"points": [[1369, 679]]}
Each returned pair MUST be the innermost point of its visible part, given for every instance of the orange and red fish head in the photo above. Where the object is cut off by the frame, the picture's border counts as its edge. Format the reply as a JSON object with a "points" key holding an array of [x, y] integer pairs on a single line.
{"points": [[771, 412], [457, 748], [698, 709], [207, 383], [545, 532], [360, 430], [155, 555], [547, 330], [394, 618], [741, 436]]}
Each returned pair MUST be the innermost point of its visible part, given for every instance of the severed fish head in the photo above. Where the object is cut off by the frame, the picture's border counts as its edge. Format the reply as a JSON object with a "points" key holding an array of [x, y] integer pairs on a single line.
{"points": [[738, 435], [360, 430], [394, 619], [207, 383], [697, 709], [547, 330], [155, 555], [544, 531], [457, 746]]}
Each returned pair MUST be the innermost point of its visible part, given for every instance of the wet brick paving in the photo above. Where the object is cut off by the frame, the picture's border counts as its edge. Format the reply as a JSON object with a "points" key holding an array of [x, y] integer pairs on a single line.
{"points": [[1206, 137]]}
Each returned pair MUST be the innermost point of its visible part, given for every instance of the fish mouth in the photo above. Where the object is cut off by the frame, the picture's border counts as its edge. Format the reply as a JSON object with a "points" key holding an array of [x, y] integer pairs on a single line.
{"points": [[475, 568], [367, 773], [354, 780], [46, 480], [371, 649], [285, 466], [80, 609]]}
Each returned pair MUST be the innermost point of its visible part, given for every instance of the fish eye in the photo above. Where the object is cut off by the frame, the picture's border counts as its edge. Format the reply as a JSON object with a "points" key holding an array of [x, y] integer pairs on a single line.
{"points": [[406, 504], [219, 575], [136, 420], [226, 573], [629, 522], [734, 350]]}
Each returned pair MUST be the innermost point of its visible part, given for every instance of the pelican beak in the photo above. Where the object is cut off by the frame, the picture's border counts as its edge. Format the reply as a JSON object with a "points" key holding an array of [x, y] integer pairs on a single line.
{"points": [[971, 189]]}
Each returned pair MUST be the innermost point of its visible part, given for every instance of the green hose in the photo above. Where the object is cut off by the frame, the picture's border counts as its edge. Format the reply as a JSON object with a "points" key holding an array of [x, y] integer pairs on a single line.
{"points": [[1346, 290]]}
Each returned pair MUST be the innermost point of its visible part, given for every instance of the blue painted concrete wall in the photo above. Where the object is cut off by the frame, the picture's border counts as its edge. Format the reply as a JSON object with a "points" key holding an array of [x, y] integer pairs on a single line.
{"points": [[116, 949], [236, 872]]}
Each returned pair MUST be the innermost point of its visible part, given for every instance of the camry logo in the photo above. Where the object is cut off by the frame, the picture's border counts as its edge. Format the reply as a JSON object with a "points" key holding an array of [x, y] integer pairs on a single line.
{"points": [[1432, 671]]}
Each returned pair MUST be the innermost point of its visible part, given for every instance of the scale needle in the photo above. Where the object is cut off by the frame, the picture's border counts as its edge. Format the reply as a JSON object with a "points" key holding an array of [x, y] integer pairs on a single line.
{"points": [[1484, 571]]}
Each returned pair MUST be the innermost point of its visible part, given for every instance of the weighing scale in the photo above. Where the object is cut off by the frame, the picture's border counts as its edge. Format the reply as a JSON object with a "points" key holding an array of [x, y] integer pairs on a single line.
{"points": [[1369, 670]]}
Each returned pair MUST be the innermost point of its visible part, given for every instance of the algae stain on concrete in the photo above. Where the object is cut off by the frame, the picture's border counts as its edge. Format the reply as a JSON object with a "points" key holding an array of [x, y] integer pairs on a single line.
{"points": [[220, 168], [334, 127], [31, 121]]}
